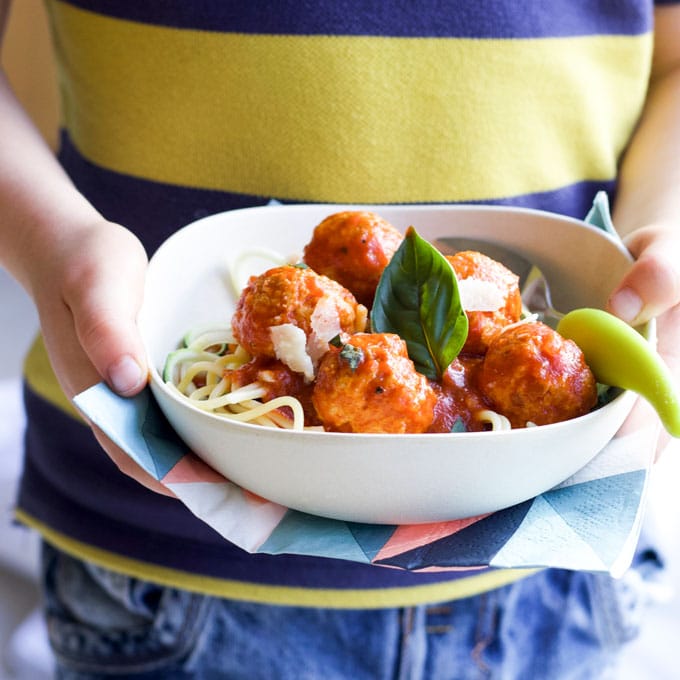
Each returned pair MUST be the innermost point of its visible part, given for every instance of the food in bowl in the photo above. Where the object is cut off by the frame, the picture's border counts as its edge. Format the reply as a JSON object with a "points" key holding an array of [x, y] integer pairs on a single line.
{"points": [[375, 478], [448, 348]]}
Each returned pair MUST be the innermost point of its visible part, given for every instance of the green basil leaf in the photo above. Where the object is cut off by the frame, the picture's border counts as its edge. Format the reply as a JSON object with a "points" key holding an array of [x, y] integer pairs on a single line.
{"points": [[417, 298]]}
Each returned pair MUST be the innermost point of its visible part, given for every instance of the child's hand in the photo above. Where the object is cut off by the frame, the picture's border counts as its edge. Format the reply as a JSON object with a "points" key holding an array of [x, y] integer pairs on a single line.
{"points": [[88, 288], [651, 288]]}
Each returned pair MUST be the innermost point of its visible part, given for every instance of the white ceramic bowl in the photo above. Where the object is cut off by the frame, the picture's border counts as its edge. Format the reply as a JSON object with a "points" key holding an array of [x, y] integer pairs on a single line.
{"points": [[376, 478]]}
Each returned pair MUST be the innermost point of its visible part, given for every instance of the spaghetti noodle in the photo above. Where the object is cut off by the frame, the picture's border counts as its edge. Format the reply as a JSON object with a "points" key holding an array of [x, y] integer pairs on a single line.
{"points": [[200, 372]]}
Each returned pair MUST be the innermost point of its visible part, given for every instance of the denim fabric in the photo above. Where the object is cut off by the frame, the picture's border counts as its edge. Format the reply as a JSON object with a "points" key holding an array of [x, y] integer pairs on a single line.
{"points": [[554, 625]]}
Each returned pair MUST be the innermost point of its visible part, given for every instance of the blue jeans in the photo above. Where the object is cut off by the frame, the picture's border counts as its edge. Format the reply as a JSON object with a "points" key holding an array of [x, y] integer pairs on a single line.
{"points": [[553, 625]]}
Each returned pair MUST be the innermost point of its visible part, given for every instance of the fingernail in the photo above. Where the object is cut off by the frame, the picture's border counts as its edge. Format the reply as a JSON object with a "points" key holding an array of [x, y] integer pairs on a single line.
{"points": [[125, 375], [626, 304]]}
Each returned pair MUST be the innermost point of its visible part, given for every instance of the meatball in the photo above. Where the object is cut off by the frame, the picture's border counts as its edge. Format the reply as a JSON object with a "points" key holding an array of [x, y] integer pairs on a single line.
{"points": [[371, 385], [458, 397], [353, 248], [532, 374], [290, 295], [485, 325]]}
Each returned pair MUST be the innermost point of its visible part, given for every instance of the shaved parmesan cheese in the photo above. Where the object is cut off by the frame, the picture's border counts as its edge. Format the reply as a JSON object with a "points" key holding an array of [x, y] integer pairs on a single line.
{"points": [[290, 346], [325, 323], [477, 295]]}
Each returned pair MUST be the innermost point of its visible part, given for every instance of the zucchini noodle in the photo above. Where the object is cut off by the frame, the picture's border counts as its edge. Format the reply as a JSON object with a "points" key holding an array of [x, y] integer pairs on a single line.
{"points": [[240, 271]]}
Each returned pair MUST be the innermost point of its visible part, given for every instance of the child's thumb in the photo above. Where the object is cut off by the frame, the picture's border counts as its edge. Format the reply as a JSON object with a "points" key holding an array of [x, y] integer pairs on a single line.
{"points": [[110, 338], [105, 318], [652, 285]]}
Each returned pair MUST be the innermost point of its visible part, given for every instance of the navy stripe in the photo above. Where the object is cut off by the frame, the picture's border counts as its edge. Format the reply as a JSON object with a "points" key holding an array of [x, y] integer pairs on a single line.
{"points": [[154, 210], [427, 18], [132, 521]]}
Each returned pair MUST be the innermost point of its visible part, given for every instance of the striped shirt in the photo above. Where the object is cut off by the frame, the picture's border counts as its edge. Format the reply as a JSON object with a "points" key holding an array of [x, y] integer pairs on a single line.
{"points": [[176, 110]]}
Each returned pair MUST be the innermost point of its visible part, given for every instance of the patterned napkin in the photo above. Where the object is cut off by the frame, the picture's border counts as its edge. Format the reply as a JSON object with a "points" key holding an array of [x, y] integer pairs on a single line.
{"points": [[589, 522]]}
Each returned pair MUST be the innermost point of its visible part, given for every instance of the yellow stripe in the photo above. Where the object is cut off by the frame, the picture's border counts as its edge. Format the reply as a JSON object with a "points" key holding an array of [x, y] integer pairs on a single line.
{"points": [[42, 380], [280, 595], [205, 109]]}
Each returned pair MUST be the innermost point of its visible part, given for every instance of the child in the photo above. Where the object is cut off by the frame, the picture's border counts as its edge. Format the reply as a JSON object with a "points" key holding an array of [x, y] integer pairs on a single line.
{"points": [[179, 110]]}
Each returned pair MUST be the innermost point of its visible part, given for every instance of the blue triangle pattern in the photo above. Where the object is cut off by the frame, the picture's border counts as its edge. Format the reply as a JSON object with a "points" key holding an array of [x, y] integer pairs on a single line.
{"points": [[371, 537], [163, 445], [300, 533], [600, 511], [136, 424]]}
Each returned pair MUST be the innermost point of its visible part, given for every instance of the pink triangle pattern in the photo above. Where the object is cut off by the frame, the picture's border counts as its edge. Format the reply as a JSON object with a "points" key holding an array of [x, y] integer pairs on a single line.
{"points": [[190, 469], [409, 536]]}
